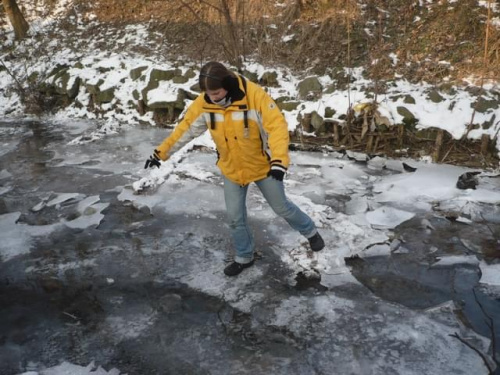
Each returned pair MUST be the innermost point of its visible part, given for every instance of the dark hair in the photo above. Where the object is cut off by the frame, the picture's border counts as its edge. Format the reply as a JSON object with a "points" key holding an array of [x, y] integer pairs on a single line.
{"points": [[213, 75]]}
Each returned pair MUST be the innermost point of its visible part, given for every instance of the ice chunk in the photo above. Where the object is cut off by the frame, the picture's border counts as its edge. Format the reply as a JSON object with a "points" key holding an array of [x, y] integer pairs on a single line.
{"points": [[456, 259], [376, 250], [388, 217], [67, 368], [61, 198], [16, 238], [91, 216], [490, 273], [5, 174]]}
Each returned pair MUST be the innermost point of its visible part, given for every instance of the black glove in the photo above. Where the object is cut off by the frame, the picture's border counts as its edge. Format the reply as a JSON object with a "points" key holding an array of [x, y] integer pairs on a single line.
{"points": [[153, 161], [277, 172]]}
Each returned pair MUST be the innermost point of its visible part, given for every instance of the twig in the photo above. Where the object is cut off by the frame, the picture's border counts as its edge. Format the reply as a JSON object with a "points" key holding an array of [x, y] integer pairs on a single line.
{"points": [[481, 354], [490, 324], [212, 30], [209, 4], [13, 77], [71, 315], [447, 153], [498, 130], [486, 223], [224, 326]]}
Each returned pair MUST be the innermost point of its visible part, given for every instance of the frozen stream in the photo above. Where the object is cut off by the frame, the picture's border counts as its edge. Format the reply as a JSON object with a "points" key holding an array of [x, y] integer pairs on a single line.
{"points": [[92, 272]]}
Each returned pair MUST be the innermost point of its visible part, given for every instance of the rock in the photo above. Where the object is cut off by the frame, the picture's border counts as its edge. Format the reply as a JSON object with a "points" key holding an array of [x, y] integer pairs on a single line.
{"points": [[187, 95], [447, 88], [164, 75], [269, 79], [305, 122], [195, 87], [408, 168], [288, 106], [329, 112], [489, 123], [93, 88], [105, 96], [483, 105], [136, 73], [250, 76], [435, 97], [409, 99], [180, 79], [468, 180], [64, 84], [408, 116], [155, 77], [316, 121], [176, 104], [136, 94], [310, 88], [190, 73]]}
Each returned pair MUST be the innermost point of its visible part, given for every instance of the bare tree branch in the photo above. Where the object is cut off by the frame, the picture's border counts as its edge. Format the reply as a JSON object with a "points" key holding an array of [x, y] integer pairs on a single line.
{"points": [[18, 84], [209, 4], [230, 46]]}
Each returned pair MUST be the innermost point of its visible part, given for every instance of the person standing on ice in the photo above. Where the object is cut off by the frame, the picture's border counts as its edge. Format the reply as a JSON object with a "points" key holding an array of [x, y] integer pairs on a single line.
{"points": [[251, 137]]}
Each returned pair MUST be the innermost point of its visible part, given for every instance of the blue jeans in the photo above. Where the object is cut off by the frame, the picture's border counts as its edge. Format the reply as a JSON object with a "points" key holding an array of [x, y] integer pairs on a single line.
{"points": [[274, 193]]}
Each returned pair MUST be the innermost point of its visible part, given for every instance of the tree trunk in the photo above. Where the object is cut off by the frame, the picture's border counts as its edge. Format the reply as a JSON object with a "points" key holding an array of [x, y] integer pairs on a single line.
{"points": [[16, 18], [234, 44], [437, 148]]}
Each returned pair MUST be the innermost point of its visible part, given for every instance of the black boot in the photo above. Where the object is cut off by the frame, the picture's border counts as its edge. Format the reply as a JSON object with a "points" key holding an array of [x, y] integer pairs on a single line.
{"points": [[235, 268], [316, 242]]}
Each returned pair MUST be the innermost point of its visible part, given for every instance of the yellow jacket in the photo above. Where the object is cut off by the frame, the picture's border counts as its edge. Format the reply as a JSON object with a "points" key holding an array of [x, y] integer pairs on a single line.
{"points": [[251, 134]]}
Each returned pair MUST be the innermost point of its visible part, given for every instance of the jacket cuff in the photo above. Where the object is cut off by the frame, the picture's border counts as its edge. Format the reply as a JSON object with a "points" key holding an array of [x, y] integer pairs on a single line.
{"points": [[162, 155], [278, 167], [278, 162]]}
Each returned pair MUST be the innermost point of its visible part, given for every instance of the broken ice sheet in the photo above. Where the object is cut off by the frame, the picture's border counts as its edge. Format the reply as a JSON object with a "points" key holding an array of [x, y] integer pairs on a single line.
{"points": [[66, 368], [388, 217], [17, 237], [89, 210], [490, 273], [5, 189], [388, 338], [356, 205], [5, 174], [456, 259], [132, 325], [61, 198], [376, 251]]}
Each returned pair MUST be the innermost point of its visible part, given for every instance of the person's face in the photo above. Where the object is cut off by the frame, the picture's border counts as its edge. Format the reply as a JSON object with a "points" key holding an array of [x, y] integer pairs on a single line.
{"points": [[216, 95]]}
